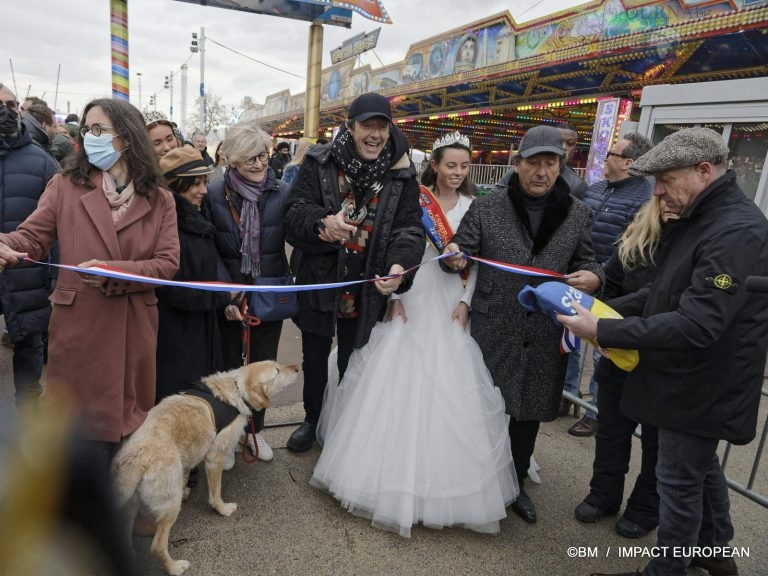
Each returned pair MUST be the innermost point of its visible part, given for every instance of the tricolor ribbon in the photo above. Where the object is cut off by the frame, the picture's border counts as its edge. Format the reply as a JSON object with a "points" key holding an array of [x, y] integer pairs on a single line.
{"points": [[118, 274], [568, 342], [211, 286]]}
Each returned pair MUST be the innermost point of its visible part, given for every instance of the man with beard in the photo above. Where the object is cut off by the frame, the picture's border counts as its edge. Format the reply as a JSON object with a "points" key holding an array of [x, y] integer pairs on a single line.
{"points": [[353, 214], [25, 169]]}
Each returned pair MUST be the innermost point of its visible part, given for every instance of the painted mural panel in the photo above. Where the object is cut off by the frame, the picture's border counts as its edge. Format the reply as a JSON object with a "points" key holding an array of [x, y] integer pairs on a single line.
{"points": [[499, 40], [335, 82], [276, 103], [386, 78], [474, 48]]}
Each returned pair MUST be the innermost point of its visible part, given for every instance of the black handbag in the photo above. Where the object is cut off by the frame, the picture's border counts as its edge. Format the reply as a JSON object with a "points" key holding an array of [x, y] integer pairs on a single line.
{"points": [[274, 306]]}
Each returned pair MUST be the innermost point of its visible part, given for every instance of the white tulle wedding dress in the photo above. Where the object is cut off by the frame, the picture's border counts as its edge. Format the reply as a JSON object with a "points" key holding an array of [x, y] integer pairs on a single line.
{"points": [[415, 432]]}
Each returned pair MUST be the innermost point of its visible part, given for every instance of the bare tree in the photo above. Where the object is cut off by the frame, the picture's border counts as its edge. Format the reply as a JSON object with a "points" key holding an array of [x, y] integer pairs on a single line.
{"points": [[215, 113]]}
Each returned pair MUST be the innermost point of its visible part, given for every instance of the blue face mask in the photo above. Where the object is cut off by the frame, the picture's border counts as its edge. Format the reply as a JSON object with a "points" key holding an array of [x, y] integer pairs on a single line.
{"points": [[100, 151]]}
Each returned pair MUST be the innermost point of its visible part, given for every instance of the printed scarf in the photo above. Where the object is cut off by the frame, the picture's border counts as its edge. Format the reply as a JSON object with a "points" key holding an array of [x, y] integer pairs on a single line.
{"points": [[250, 225], [365, 178]]}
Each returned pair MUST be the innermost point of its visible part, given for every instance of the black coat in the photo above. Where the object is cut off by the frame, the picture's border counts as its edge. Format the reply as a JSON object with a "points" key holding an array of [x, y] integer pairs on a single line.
{"points": [[25, 169], [522, 348], [702, 337], [398, 238], [272, 242], [188, 339], [619, 282]]}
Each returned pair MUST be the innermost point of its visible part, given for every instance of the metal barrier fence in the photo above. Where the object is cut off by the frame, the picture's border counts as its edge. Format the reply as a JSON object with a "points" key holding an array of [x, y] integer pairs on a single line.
{"points": [[747, 491], [485, 175]]}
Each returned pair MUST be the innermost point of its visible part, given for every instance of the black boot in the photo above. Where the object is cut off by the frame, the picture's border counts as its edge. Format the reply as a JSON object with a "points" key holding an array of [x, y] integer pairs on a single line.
{"points": [[303, 437]]}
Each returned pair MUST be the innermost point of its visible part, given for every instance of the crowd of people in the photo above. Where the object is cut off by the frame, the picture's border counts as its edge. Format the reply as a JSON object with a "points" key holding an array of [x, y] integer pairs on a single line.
{"points": [[443, 350]]}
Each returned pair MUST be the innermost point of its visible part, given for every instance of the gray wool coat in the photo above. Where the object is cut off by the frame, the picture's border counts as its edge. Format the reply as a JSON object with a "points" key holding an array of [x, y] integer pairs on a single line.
{"points": [[520, 348]]}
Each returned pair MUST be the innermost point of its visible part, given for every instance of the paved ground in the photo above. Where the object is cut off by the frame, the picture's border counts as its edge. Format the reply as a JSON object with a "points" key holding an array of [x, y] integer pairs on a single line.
{"points": [[282, 526]]}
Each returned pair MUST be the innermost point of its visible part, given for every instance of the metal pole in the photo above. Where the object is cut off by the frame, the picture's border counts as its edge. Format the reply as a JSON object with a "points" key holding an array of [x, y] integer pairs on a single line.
{"points": [[139, 75], [314, 70], [171, 86], [56, 94], [202, 79], [183, 121]]}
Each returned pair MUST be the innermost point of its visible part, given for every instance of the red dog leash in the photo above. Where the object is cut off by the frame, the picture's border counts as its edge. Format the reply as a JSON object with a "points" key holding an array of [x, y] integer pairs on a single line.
{"points": [[249, 321]]}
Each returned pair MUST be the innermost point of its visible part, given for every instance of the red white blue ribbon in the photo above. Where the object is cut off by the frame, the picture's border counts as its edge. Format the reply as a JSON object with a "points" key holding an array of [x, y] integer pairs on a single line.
{"points": [[116, 273], [516, 268]]}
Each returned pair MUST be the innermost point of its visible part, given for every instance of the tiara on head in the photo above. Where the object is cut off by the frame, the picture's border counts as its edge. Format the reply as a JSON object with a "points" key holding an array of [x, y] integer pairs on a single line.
{"points": [[454, 138]]}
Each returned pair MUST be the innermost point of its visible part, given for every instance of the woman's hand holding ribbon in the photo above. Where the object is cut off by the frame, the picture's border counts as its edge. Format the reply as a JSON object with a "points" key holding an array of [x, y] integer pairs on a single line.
{"points": [[92, 279], [457, 262]]}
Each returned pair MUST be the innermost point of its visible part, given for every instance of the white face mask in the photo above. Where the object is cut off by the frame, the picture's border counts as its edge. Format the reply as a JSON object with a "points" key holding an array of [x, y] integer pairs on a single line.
{"points": [[100, 150]]}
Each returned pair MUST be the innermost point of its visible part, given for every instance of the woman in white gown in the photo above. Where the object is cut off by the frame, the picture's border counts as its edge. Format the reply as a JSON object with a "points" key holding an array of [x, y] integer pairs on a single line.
{"points": [[415, 432]]}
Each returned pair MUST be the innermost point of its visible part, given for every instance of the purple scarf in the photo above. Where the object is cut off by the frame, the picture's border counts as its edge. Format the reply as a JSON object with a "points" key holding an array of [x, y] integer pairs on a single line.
{"points": [[250, 226]]}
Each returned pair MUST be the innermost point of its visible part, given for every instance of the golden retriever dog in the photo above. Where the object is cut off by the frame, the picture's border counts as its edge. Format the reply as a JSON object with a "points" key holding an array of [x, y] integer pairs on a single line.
{"points": [[151, 468]]}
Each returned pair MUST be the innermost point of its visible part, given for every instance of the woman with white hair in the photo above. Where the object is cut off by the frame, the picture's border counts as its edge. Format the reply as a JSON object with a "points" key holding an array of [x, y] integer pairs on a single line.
{"points": [[247, 210]]}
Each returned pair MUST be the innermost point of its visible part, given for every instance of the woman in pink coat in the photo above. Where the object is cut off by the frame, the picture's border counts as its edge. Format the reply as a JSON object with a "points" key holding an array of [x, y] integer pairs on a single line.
{"points": [[107, 207]]}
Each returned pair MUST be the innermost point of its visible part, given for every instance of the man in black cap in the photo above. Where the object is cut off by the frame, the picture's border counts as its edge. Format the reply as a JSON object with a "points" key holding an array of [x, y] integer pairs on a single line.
{"points": [[702, 340], [533, 222], [353, 214]]}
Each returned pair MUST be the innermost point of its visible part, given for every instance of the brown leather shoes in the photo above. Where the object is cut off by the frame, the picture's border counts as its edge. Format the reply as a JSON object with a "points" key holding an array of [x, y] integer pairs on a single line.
{"points": [[584, 427]]}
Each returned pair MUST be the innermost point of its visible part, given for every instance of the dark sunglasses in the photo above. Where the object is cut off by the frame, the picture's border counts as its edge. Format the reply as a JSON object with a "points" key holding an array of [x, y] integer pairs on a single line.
{"points": [[11, 105]]}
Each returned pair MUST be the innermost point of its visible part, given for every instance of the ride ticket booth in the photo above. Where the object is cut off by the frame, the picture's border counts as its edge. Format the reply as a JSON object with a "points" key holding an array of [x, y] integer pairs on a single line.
{"points": [[738, 109]]}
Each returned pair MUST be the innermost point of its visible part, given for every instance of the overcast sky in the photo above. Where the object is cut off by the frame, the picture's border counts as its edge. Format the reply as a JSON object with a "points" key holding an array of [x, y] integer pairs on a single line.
{"points": [[38, 35]]}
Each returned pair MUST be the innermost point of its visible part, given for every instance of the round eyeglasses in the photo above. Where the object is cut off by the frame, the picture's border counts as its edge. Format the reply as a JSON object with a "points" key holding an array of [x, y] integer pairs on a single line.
{"points": [[263, 157], [95, 129]]}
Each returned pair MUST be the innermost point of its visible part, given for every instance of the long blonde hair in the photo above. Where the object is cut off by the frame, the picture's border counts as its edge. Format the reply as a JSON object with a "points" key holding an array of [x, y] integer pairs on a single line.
{"points": [[638, 244], [301, 150]]}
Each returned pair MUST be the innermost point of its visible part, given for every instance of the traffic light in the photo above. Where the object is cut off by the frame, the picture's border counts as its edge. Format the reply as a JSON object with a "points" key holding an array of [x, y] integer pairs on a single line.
{"points": [[166, 83], [193, 48]]}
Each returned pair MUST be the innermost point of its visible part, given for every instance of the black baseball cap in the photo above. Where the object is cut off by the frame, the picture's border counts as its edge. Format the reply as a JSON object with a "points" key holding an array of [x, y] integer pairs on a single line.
{"points": [[369, 105]]}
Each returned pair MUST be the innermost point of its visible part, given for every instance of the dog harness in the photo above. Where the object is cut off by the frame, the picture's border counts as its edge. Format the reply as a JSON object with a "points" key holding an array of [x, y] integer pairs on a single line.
{"points": [[223, 414]]}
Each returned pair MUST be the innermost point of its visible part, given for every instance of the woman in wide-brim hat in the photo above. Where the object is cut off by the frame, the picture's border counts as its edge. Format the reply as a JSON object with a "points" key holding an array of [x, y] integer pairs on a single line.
{"points": [[189, 344]]}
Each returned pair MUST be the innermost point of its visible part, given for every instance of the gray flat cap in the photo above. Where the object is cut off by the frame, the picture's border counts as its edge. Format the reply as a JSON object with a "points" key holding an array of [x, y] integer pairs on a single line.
{"points": [[688, 147], [541, 140]]}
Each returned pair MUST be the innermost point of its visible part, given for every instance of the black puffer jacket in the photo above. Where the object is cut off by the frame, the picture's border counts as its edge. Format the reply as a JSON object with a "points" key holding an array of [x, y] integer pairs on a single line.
{"points": [[398, 238], [25, 169], [272, 243], [614, 204], [702, 337], [188, 338]]}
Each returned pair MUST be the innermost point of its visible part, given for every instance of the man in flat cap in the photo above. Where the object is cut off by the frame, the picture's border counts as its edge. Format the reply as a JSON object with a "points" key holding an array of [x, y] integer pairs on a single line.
{"points": [[353, 213], [702, 340]]}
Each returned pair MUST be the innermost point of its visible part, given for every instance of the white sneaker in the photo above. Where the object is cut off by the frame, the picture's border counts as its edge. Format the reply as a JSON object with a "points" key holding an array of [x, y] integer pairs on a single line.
{"points": [[229, 461], [265, 450]]}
